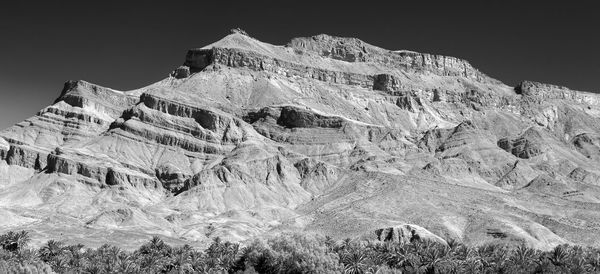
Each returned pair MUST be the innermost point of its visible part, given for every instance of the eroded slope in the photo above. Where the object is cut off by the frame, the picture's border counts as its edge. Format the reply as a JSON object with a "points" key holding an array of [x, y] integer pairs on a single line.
{"points": [[325, 134]]}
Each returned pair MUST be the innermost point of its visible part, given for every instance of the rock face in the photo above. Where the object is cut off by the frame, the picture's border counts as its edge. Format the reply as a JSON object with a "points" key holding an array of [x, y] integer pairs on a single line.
{"points": [[528, 145], [406, 234], [325, 134]]}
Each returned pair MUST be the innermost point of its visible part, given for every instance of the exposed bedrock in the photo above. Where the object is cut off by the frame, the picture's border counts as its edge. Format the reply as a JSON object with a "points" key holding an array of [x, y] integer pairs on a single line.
{"points": [[345, 49], [142, 131], [255, 61], [179, 125], [443, 139], [198, 59], [325, 134], [86, 95], [309, 132], [588, 145], [519, 175], [249, 177], [163, 122], [469, 154], [527, 145], [181, 72], [101, 174], [470, 95], [4, 147], [355, 50], [545, 184], [406, 234], [57, 125], [206, 118], [25, 156], [81, 112], [292, 117], [386, 82], [543, 91], [171, 177], [316, 176], [581, 175]]}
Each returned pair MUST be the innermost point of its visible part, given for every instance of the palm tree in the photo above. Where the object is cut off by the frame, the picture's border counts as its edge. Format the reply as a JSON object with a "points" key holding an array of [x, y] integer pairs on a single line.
{"points": [[346, 243], [473, 265], [61, 263], [22, 239], [182, 262], [451, 266], [579, 265], [14, 241], [221, 255], [111, 258], [27, 255], [330, 243], [148, 262], [453, 243], [127, 264], [76, 257], [198, 263], [593, 260], [522, 257], [355, 262], [377, 255], [93, 269], [397, 258], [461, 252], [559, 256], [51, 250], [433, 257], [414, 263], [499, 258]]}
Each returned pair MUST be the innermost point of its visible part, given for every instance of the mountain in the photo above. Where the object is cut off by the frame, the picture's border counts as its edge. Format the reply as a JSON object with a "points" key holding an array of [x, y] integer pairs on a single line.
{"points": [[325, 134]]}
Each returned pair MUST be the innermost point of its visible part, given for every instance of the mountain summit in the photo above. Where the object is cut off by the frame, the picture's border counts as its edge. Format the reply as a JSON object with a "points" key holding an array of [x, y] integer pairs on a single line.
{"points": [[324, 134]]}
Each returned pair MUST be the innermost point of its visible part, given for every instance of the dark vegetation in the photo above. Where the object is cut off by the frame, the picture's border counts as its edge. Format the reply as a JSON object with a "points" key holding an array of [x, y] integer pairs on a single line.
{"points": [[296, 253]]}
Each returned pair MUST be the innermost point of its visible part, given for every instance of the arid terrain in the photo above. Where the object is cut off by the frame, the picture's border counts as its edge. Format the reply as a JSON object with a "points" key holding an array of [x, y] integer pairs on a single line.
{"points": [[325, 134]]}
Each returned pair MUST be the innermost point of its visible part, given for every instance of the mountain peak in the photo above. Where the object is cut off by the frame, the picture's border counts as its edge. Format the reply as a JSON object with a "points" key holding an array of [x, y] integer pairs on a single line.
{"points": [[348, 56]]}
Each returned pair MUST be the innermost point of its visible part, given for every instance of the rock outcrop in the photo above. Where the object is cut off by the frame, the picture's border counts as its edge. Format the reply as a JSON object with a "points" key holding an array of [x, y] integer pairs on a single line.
{"points": [[406, 234], [326, 134], [527, 145], [542, 91]]}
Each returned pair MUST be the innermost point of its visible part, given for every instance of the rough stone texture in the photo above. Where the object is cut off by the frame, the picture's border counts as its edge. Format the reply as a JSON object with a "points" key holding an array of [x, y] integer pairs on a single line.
{"points": [[546, 91], [326, 134], [406, 234], [355, 50], [587, 144], [528, 145], [181, 72], [386, 82], [584, 176]]}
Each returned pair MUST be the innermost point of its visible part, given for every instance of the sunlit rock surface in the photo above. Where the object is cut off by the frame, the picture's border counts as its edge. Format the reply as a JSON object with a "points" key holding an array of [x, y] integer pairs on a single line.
{"points": [[325, 134]]}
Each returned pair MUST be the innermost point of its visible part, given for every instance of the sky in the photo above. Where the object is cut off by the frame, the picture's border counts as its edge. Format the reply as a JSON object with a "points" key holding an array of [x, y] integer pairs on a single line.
{"points": [[129, 44]]}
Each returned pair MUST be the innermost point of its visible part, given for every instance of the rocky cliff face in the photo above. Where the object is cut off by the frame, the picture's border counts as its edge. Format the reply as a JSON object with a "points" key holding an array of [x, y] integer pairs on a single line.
{"points": [[325, 134]]}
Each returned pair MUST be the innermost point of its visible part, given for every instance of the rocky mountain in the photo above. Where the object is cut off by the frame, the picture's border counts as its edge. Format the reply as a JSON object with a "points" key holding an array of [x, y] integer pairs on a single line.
{"points": [[324, 134]]}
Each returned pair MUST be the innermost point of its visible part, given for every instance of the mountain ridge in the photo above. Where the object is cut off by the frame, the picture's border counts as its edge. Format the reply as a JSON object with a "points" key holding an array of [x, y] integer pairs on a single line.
{"points": [[324, 134]]}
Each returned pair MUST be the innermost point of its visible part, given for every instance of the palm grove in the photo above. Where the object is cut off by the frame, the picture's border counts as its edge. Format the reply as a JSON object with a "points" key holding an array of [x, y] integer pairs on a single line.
{"points": [[294, 253]]}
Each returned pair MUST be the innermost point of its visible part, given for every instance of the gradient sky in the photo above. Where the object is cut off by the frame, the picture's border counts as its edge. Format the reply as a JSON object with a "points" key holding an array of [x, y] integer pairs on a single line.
{"points": [[128, 44]]}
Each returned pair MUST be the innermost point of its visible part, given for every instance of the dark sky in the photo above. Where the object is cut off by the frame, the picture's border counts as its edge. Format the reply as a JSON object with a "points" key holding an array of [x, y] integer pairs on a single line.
{"points": [[128, 44]]}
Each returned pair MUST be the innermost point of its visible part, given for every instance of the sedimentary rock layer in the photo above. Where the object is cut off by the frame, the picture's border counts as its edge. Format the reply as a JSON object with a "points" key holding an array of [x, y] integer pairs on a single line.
{"points": [[325, 134]]}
